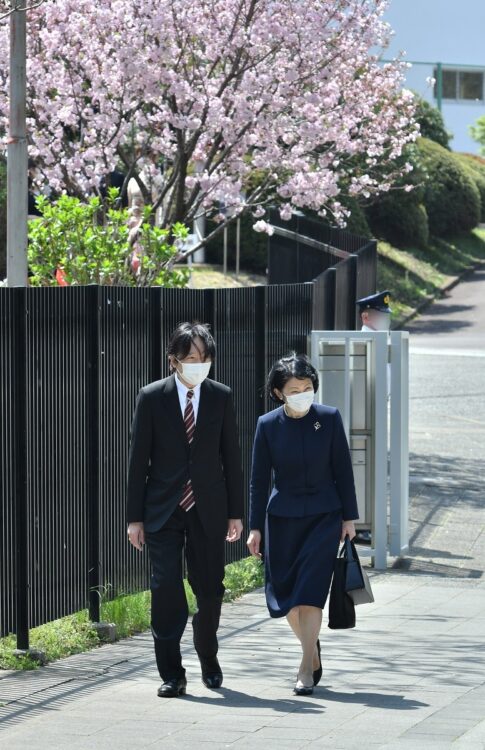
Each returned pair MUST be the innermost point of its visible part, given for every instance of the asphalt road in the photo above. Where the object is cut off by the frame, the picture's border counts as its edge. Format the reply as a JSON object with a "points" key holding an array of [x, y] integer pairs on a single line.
{"points": [[447, 433]]}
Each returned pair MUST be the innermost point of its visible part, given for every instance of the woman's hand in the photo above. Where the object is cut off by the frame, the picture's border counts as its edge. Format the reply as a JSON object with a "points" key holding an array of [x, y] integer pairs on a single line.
{"points": [[254, 542], [136, 535], [348, 527]]}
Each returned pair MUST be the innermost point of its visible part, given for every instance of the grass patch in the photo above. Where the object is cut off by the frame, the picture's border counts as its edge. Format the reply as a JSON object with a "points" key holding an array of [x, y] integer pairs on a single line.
{"points": [[207, 276], [415, 275], [69, 635], [130, 612]]}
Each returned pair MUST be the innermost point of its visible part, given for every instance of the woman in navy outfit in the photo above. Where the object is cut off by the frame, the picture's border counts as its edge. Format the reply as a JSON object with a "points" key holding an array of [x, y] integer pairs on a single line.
{"points": [[311, 506]]}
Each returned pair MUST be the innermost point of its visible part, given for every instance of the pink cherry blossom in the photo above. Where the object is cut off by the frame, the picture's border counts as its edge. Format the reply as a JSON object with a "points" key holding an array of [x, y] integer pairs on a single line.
{"points": [[263, 226], [215, 106]]}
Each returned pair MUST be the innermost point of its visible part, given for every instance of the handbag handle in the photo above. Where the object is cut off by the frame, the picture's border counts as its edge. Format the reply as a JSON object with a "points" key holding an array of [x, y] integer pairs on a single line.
{"points": [[348, 549]]}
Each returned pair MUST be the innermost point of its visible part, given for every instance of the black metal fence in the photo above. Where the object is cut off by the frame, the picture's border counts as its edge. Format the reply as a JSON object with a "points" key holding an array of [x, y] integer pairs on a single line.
{"points": [[342, 265], [71, 363]]}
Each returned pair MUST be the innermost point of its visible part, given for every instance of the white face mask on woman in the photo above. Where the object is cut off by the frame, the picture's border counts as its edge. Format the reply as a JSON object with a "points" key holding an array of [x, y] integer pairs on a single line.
{"points": [[194, 372], [300, 402]]}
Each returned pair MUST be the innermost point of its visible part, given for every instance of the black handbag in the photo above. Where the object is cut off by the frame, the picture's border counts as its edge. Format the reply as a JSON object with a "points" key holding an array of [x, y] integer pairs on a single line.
{"points": [[357, 583], [341, 609]]}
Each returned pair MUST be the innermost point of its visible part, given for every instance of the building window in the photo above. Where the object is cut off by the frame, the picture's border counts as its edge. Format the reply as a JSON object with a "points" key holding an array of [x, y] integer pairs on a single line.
{"points": [[460, 85]]}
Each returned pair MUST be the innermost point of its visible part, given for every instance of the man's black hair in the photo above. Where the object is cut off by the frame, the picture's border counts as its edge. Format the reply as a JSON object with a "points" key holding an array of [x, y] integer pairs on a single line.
{"points": [[292, 366], [182, 338]]}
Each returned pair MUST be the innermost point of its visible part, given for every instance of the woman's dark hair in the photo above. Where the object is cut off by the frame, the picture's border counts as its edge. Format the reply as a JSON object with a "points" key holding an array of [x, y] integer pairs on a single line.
{"points": [[183, 336], [292, 366]]}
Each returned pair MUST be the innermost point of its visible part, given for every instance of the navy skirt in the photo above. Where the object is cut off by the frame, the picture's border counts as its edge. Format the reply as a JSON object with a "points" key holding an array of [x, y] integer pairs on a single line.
{"points": [[299, 557]]}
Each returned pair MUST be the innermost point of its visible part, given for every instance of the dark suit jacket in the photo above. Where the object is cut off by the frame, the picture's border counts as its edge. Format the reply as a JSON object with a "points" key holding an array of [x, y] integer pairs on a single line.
{"points": [[311, 465], [161, 459]]}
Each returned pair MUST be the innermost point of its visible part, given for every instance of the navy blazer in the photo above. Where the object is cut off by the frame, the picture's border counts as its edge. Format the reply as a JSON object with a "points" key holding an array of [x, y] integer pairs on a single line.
{"points": [[309, 458]]}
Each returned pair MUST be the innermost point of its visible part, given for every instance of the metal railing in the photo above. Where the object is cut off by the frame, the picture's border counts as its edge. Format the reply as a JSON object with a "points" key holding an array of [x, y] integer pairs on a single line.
{"points": [[342, 265]]}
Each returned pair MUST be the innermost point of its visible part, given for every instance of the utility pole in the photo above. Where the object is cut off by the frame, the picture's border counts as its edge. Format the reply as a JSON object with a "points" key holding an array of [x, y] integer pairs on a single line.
{"points": [[17, 159]]}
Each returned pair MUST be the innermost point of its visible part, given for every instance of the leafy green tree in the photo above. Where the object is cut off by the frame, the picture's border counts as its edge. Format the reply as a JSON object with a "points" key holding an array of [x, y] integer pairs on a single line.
{"points": [[477, 132], [77, 243]]}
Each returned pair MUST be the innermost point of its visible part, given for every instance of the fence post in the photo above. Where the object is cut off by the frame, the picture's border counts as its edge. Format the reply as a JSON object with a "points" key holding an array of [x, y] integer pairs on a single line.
{"points": [[93, 452], [260, 333], [19, 388], [209, 306], [323, 307], [351, 292], [155, 331]]}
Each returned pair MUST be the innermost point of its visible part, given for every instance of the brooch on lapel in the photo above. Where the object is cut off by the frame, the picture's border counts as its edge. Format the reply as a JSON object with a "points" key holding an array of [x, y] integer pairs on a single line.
{"points": [[317, 425]]}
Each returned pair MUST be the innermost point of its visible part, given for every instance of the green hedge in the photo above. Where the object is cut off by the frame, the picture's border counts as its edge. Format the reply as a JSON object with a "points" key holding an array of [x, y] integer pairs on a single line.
{"points": [[399, 216], [451, 195], [448, 197], [475, 166]]}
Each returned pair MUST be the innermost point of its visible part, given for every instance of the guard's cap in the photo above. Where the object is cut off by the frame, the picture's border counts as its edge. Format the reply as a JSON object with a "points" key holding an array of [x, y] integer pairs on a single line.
{"points": [[378, 301]]}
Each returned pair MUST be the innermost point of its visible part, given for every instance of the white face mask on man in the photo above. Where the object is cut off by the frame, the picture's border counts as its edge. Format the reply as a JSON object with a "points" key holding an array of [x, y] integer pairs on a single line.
{"points": [[382, 321], [300, 402], [194, 373]]}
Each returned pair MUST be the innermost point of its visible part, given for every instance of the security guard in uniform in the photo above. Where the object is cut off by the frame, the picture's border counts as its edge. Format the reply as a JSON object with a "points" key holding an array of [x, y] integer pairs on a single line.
{"points": [[375, 315], [375, 312]]}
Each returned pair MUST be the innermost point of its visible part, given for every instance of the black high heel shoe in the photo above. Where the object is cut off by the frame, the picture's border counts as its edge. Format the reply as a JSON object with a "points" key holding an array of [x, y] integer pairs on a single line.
{"points": [[303, 689], [317, 674]]}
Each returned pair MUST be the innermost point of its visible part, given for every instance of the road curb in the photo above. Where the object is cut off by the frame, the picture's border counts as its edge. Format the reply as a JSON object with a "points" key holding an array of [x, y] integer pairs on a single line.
{"points": [[442, 290]]}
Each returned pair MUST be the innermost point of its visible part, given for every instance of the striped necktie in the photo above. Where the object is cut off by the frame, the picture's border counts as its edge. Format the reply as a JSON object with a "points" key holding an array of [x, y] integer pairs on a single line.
{"points": [[188, 499]]}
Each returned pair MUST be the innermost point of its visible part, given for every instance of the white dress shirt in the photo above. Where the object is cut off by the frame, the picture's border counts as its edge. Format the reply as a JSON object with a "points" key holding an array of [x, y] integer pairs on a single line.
{"points": [[182, 391]]}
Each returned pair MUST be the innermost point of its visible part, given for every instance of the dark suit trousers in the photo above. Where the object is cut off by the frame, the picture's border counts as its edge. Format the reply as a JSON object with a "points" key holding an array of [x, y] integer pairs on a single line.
{"points": [[169, 610]]}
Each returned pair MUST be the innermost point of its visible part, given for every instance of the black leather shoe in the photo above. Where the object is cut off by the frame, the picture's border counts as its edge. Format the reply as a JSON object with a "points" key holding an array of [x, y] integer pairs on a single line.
{"points": [[317, 674], [211, 674], [172, 688]]}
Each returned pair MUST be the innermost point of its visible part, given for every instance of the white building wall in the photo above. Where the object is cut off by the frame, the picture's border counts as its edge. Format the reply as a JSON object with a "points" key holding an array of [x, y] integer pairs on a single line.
{"points": [[446, 31]]}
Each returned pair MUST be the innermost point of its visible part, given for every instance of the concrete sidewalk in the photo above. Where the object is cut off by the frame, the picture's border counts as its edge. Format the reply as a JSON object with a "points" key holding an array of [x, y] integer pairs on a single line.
{"points": [[411, 675]]}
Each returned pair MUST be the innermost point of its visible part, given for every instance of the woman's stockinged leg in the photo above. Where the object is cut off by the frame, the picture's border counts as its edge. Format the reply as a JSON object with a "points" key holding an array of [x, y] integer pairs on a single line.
{"points": [[310, 622], [293, 618]]}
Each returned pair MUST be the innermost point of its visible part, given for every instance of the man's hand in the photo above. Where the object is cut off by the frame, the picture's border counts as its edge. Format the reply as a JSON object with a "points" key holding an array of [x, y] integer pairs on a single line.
{"points": [[136, 534], [348, 527], [234, 529], [254, 542]]}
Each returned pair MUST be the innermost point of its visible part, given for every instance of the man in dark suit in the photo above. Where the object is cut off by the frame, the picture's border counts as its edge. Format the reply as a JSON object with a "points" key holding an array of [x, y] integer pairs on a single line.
{"points": [[185, 490]]}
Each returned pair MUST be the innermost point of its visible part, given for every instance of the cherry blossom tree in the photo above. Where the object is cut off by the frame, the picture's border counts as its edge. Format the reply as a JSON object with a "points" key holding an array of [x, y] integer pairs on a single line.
{"points": [[216, 107]]}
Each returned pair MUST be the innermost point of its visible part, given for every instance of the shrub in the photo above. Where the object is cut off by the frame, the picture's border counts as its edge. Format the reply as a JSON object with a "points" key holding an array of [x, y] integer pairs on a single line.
{"points": [[475, 165], [72, 238], [400, 219], [399, 216], [451, 196], [431, 122]]}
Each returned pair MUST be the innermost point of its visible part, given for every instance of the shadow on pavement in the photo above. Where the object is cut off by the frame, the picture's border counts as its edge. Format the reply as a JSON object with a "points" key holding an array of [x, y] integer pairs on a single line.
{"points": [[438, 322], [375, 700], [443, 491], [236, 699]]}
